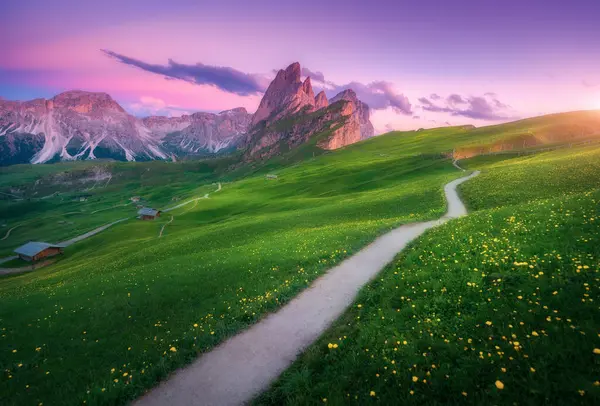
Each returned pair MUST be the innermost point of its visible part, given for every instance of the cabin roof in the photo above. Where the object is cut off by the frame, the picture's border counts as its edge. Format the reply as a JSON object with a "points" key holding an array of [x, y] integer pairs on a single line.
{"points": [[33, 248], [147, 211]]}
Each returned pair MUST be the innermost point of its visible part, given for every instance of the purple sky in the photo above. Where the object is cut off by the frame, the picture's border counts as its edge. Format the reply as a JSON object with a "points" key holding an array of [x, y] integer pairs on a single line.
{"points": [[417, 63]]}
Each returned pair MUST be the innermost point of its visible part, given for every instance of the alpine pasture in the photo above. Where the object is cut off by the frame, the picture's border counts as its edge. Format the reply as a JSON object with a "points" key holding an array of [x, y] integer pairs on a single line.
{"points": [[125, 308], [498, 307]]}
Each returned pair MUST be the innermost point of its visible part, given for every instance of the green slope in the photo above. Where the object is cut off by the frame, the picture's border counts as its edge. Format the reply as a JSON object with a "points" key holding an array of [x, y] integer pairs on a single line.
{"points": [[124, 298], [128, 307], [499, 307]]}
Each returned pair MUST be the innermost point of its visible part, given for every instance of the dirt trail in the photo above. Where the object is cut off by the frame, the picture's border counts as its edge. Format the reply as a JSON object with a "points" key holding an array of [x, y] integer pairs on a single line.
{"points": [[9, 231], [164, 225], [90, 233], [455, 163], [245, 365], [191, 201]]}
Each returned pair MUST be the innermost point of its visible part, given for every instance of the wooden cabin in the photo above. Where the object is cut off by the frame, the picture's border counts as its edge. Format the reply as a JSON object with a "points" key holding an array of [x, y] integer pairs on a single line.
{"points": [[34, 251], [146, 213]]}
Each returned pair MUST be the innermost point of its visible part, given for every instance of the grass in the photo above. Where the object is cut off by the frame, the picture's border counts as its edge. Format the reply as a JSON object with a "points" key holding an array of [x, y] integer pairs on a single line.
{"points": [[123, 309], [498, 307], [58, 216], [128, 307]]}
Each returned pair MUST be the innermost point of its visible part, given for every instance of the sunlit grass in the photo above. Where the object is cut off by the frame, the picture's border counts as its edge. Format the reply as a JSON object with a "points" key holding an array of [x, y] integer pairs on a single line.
{"points": [[494, 308]]}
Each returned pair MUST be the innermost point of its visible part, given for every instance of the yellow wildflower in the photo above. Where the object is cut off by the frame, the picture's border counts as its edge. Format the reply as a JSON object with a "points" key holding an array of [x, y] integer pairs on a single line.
{"points": [[499, 385]]}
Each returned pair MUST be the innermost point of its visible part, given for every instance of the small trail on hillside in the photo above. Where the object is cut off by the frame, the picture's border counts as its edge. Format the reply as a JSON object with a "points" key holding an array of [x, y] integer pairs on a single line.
{"points": [[240, 368], [9, 231], [191, 200], [90, 233], [455, 163], [164, 225]]}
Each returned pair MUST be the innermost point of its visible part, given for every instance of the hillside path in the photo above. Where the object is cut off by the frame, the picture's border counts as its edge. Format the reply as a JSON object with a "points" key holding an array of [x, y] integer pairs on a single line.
{"points": [[243, 366], [9, 231], [90, 233], [192, 200]]}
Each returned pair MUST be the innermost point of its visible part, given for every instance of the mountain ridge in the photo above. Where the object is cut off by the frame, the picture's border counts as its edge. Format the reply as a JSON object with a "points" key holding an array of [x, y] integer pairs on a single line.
{"points": [[78, 124]]}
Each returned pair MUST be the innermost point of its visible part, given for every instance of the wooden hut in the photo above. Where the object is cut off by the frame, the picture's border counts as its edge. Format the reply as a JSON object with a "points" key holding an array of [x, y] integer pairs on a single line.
{"points": [[34, 251], [146, 213]]}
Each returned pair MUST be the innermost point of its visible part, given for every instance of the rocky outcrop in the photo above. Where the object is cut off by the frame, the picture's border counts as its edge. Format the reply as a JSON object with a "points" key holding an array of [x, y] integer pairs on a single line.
{"points": [[84, 125], [290, 115], [346, 129], [79, 125], [321, 100], [200, 133], [333, 127], [285, 95], [362, 112]]}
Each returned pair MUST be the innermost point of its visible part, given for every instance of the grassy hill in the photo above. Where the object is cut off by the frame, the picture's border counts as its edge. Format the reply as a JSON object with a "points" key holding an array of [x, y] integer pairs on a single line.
{"points": [[498, 307], [127, 306]]}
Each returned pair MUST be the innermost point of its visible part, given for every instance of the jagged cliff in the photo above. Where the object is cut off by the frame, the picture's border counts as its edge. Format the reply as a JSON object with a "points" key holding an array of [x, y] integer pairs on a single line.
{"points": [[290, 115]]}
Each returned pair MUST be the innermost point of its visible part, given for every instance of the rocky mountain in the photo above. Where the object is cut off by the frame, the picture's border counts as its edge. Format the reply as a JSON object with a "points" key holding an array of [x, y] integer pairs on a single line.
{"points": [[200, 132], [74, 125], [361, 112], [84, 125], [286, 95], [290, 115], [321, 100]]}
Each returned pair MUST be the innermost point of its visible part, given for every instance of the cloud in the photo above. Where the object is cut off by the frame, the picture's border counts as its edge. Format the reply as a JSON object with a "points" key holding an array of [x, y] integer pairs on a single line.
{"points": [[222, 77], [313, 75], [588, 84], [434, 96], [379, 95], [416, 117], [389, 127], [486, 107], [455, 99], [151, 106]]}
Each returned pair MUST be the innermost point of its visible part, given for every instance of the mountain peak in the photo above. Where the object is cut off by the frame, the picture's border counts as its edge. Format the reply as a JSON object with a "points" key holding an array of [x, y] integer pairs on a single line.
{"points": [[289, 75], [285, 95], [84, 102], [321, 100], [294, 70], [347, 94], [307, 88]]}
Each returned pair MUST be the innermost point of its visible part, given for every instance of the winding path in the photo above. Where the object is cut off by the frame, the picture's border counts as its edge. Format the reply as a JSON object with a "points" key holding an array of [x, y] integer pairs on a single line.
{"points": [[164, 225], [245, 365], [9, 231]]}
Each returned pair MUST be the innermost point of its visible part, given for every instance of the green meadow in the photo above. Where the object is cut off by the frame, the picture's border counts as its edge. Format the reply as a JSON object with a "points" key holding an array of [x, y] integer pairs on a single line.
{"points": [[127, 307], [121, 310], [499, 307]]}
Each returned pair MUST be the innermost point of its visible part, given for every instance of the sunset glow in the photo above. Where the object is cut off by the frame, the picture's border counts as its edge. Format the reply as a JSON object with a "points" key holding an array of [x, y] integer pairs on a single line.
{"points": [[535, 58]]}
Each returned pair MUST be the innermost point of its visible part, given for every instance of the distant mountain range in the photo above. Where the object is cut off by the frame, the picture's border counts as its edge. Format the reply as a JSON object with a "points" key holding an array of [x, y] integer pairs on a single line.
{"points": [[84, 125]]}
